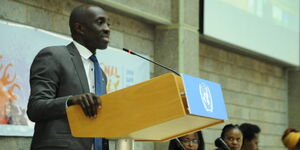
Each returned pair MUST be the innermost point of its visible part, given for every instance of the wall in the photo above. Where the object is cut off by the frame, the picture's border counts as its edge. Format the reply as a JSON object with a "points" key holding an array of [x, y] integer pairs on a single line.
{"points": [[155, 11], [254, 92], [294, 94]]}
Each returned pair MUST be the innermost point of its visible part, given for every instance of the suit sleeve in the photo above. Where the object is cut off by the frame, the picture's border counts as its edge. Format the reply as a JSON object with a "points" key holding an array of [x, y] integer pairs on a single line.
{"points": [[43, 104]]}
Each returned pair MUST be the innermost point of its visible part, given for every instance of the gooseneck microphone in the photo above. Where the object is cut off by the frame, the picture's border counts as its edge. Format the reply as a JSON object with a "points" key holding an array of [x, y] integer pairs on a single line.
{"points": [[180, 143], [165, 67]]}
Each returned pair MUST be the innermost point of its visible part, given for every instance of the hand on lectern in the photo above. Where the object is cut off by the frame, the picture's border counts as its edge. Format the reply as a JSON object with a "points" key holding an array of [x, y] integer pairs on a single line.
{"points": [[89, 103]]}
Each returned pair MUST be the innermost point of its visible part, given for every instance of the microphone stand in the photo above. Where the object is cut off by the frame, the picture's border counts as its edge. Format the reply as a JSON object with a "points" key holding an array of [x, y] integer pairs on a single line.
{"points": [[133, 53], [124, 144], [128, 144]]}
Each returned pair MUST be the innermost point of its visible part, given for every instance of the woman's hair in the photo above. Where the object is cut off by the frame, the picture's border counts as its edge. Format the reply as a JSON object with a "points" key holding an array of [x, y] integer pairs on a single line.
{"points": [[174, 145], [291, 138], [249, 131], [228, 128]]}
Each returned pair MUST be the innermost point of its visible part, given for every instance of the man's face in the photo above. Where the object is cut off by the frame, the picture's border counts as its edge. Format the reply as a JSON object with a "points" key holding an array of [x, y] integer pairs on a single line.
{"points": [[234, 139], [252, 144], [96, 34]]}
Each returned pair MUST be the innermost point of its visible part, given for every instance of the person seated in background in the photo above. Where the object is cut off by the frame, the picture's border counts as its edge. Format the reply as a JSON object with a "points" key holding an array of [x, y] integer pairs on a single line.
{"points": [[231, 138], [192, 141], [291, 139], [250, 136]]}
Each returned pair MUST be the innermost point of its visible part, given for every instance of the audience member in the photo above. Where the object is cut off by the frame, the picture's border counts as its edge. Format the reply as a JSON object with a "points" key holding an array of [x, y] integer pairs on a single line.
{"points": [[291, 139], [192, 141], [250, 136], [231, 138]]}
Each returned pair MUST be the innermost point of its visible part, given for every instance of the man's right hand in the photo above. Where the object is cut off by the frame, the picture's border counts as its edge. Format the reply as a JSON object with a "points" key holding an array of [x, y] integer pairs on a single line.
{"points": [[89, 103]]}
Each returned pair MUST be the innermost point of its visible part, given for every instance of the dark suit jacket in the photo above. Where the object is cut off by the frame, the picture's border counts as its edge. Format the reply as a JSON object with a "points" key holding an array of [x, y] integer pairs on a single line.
{"points": [[56, 73]]}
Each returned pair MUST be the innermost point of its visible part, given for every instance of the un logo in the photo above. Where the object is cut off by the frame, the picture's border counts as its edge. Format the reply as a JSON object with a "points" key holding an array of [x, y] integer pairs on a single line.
{"points": [[206, 97]]}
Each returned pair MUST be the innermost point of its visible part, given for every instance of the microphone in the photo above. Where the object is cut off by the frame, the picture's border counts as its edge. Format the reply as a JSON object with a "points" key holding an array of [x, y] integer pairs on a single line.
{"points": [[181, 145], [133, 53]]}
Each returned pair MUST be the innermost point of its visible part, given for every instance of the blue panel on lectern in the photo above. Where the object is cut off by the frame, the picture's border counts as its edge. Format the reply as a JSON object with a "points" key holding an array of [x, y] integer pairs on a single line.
{"points": [[204, 97]]}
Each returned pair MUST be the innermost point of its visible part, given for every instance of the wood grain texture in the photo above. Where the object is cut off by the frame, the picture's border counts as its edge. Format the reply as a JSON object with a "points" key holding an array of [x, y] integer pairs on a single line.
{"points": [[152, 110]]}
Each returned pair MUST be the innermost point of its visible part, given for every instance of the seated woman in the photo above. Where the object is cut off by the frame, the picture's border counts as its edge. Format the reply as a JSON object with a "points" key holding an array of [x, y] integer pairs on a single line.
{"points": [[231, 138], [291, 139], [250, 136], [192, 141]]}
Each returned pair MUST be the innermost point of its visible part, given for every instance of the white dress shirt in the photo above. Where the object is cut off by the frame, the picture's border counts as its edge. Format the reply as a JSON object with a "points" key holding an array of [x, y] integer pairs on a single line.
{"points": [[88, 67], [87, 64]]}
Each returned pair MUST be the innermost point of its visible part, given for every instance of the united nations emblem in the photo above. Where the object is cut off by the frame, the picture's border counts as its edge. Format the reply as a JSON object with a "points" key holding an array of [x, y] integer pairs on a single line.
{"points": [[206, 97]]}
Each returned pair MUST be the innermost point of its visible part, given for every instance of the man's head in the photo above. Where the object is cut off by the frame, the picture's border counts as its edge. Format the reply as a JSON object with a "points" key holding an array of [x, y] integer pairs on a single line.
{"points": [[251, 136], [89, 27]]}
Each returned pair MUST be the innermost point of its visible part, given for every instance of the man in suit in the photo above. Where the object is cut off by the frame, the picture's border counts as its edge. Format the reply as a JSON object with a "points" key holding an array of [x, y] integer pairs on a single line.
{"points": [[61, 76]]}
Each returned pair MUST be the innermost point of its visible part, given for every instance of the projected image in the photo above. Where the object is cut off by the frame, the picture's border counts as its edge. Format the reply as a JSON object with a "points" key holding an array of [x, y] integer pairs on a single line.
{"points": [[281, 12], [264, 27]]}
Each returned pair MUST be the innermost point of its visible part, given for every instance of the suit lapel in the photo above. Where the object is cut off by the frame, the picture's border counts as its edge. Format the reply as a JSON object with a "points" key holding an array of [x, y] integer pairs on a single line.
{"points": [[77, 62]]}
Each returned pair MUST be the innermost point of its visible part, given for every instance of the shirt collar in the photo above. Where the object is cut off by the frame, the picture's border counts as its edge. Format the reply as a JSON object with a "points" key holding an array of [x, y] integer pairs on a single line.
{"points": [[83, 51]]}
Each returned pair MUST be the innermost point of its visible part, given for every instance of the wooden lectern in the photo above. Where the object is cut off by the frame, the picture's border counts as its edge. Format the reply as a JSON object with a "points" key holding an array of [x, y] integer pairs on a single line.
{"points": [[154, 110]]}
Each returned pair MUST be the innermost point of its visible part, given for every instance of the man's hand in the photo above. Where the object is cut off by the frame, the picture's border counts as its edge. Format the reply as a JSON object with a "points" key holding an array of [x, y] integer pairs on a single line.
{"points": [[89, 103]]}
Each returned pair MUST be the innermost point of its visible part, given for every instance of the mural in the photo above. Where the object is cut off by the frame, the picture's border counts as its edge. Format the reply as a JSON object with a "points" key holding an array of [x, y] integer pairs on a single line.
{"points": [[10, 113], [113, 77]]}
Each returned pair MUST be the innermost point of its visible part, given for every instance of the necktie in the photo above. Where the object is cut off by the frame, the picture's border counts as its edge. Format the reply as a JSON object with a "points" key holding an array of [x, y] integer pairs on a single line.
{"points": [[98, 91]]}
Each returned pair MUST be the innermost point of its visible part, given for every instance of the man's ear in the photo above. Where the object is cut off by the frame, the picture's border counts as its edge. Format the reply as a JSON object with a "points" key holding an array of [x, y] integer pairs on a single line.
{"points": [[79, 28]]}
